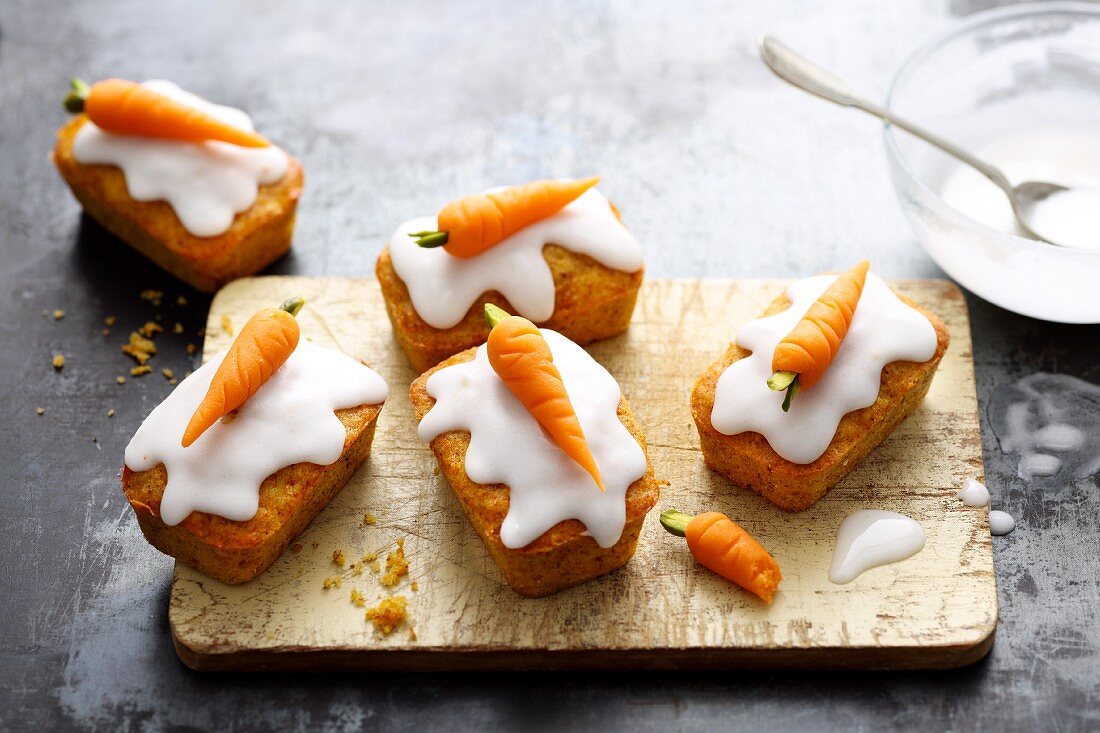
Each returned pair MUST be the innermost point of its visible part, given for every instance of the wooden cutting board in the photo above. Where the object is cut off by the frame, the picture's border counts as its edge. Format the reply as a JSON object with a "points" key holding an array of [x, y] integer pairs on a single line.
{"points": [[937, 609]]}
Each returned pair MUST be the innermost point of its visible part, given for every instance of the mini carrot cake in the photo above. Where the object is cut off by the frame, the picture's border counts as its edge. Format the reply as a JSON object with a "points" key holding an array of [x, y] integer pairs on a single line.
{"points": [[555, 252], [246, 451], [542, 452], [187, 183], [807, 391]]}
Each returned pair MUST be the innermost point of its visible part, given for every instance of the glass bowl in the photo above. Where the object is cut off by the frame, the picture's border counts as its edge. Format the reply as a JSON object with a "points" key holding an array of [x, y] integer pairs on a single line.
{"points": [[1020, 85]]}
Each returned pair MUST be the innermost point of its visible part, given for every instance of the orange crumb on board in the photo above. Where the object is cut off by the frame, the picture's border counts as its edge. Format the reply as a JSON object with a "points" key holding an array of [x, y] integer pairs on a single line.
{"points": [[338, 557], [140, 370], [227, 325], [167, 373], [150, 329], [369, 518], [109, 321], [58, 314], [396, 565], [120, 380], [357, 598], [177, 327], [332, 582], [389, 614], [40, 410], [181, 300], [153, 296], [191, 349], [58, 361], [111, 412]]}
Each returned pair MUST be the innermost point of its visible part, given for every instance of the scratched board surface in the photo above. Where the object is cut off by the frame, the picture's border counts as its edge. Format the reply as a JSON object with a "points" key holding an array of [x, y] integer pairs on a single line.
{"points": [[936, 609]]}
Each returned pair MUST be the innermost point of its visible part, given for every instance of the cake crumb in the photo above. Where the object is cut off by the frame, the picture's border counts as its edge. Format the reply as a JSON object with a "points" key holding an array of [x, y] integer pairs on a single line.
{"points": [[412, 633], [153, 296], [227, 325], [111, 412], [180, 300], [296, 547], [415, 586], [139, 370], [396, 565], [357, 598], [171, 380], [167, 373], [338, 557], [58, 314], [109, 321], [58, 361], [332, 582], [369, 518], [191, 349], [177, 327], [389, 614], [106, 332], [120, 380], [95, 439], [40, 410], [150, 329], [139, 348]]}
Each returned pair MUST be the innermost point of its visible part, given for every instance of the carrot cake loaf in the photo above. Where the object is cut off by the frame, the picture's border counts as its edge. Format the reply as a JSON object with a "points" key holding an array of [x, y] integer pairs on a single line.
{"points": [[185, 182], [808, 390], [245, 452], [542, 452], [555, 252]]}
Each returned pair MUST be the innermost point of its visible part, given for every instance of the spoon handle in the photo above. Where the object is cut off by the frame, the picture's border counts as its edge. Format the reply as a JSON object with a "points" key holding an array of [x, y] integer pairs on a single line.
{"points": [[808, 76]]}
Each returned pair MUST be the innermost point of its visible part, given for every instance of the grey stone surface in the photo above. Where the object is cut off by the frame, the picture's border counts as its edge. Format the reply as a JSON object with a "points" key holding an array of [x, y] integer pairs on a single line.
{"points": [[394, 108]]}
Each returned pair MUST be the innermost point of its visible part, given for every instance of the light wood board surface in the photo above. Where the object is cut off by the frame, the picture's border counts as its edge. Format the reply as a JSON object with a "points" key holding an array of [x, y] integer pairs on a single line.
{"points": [[936, 609]]}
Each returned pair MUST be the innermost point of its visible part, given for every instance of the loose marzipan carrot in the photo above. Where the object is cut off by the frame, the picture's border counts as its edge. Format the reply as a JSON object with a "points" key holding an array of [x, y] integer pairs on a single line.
{"points": [[521, 357], [262, 346], [473, 224], [801, 358], [721, 545], [126, 108]]}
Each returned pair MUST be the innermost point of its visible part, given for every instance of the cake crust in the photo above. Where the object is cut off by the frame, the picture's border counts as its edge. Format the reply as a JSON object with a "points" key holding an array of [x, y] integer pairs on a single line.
{"points": [[591, 302], [561, 557], [236, 552], [257, 237], [748, 461]]}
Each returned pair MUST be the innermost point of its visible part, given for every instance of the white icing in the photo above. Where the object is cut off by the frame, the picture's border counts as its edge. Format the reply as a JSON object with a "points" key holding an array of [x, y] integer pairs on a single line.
{"points": [[1052, 422], [883, 330], [1070, 218], [1000, 523], [206, 184], [872, 537], [508, 446], [973, 493], [290, 420], [443, 287]]}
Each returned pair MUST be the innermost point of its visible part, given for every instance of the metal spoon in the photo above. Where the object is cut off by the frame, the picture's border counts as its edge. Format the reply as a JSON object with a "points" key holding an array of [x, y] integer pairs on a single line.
{"points": [[810, 77]]}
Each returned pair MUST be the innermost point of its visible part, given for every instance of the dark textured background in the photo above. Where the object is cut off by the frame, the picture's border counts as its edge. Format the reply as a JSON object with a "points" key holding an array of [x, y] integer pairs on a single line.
{"points": [[395, 107]]}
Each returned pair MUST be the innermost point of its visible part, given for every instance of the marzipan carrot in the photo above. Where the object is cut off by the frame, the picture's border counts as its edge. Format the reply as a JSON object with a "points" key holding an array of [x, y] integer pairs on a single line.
{"points": [[801, 358], [262, 346], [521, 357], [473, 224], [721, 545], [126, 108]]}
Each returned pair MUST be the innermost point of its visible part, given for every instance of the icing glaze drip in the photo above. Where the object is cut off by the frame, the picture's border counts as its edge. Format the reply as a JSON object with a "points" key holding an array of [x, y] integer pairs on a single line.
{"points": [[206, 184], [973, 493], [883, 330], [872, 537], [291, 419], [508, 446], [1000, 523], [1052, 422], [442, 288]]}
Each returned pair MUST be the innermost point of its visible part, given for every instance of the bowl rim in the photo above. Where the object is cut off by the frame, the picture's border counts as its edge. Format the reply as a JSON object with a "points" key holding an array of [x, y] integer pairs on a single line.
{"points": [[974, 22]]}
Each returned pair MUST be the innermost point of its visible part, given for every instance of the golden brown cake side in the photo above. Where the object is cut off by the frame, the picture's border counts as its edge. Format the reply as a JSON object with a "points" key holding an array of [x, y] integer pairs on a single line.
{"points": [[257, 237], [591, 302], [236, 552], [748, 461], [562, 556]]}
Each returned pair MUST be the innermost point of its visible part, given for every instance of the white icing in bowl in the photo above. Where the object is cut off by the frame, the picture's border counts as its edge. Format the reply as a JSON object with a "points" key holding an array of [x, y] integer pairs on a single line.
{"points": [[291, 419], [883, 330], [508, 446], [443, 287], [206, 184]]}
